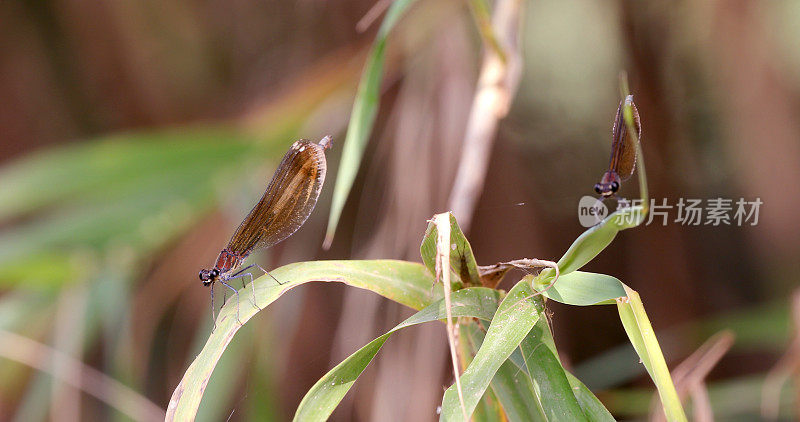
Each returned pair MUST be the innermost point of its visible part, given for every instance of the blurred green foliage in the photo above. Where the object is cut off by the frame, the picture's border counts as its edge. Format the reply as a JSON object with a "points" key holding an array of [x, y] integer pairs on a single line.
{"points": [[88, 222]]}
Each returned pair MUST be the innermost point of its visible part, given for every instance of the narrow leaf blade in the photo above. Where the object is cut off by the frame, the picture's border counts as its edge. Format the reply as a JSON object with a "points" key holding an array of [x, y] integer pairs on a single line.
{"points": [[637, 326], [515, 316], [404, 282], [320, 401], [362, 118], [548, 377]]}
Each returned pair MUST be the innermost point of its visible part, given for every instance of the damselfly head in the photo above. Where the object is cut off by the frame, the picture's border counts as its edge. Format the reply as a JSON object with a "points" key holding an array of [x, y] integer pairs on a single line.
{"points": [[208, 276], [609, 184]]}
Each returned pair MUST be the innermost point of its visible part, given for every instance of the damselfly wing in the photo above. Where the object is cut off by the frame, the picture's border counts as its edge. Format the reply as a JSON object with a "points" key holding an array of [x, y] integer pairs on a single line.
{"points": [[623, 151], [285, 206]]}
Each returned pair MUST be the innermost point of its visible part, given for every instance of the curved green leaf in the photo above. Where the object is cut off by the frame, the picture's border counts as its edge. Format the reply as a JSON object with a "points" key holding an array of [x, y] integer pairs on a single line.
{"points": [[404, 282], [320, 401], [541, 338], [513, 388], [582, 289], [591, 242], [515, 316], [643, 339], [510, 385], [591, 405], [362, 118], [548, 377], [490, 408]]}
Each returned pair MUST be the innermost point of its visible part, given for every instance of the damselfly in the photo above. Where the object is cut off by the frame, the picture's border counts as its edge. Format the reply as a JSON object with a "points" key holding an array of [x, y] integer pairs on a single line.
{"points": [[623, 151], [285, 206]]}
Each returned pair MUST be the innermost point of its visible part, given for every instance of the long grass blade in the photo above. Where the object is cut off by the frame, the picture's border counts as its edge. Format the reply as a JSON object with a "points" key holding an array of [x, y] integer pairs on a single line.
{"points": [[326, 394], [643, 339], [404, 282], [515, 317], [362, 118]]}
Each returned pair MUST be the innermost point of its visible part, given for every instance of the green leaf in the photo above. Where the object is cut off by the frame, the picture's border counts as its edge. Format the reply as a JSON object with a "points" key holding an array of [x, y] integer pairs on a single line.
{"points": [[227, 372], [582, 289], [591, 405], [510, 385], [548, 377], [320, 401], [462, 260], [591, 242], [490, 407], [513, 388], [541, 337], [408, 283], [643, 339], [515, 316], [362, 118]]}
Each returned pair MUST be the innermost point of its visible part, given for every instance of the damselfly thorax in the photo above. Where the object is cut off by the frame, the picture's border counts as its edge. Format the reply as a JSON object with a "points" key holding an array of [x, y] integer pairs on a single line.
{"points": [[226, 263]]}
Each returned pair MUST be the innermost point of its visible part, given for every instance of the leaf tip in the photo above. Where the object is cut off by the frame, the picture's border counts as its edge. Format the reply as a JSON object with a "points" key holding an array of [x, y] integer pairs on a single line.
{"points": [[326, 244]]}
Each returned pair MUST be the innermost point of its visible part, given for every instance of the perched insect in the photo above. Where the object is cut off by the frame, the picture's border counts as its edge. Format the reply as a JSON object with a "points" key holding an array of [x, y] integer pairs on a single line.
{"points": [[623, 151], [285, 206]]}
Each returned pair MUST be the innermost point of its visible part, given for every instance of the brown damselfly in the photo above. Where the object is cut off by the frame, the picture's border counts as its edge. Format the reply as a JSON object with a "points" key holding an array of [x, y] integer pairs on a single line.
{"points": [[623, 151], [285, 206]]}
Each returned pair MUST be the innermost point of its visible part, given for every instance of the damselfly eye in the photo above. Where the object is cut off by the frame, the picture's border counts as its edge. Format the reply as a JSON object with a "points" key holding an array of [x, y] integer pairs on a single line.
{"points": [[614, 186], [598, 189]]}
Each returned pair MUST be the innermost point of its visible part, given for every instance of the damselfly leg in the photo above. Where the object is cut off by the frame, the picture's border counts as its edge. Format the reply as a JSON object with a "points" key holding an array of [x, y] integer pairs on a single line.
{"points": [[213, 317], [236, 292]]}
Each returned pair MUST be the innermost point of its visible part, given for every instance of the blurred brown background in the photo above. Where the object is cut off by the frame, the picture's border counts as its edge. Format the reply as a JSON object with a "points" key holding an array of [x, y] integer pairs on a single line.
{"points": [[715, 83]]}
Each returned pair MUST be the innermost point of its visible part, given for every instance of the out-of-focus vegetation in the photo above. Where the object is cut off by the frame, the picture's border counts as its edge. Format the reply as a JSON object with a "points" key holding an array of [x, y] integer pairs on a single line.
{"points": [[135, 135]]}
